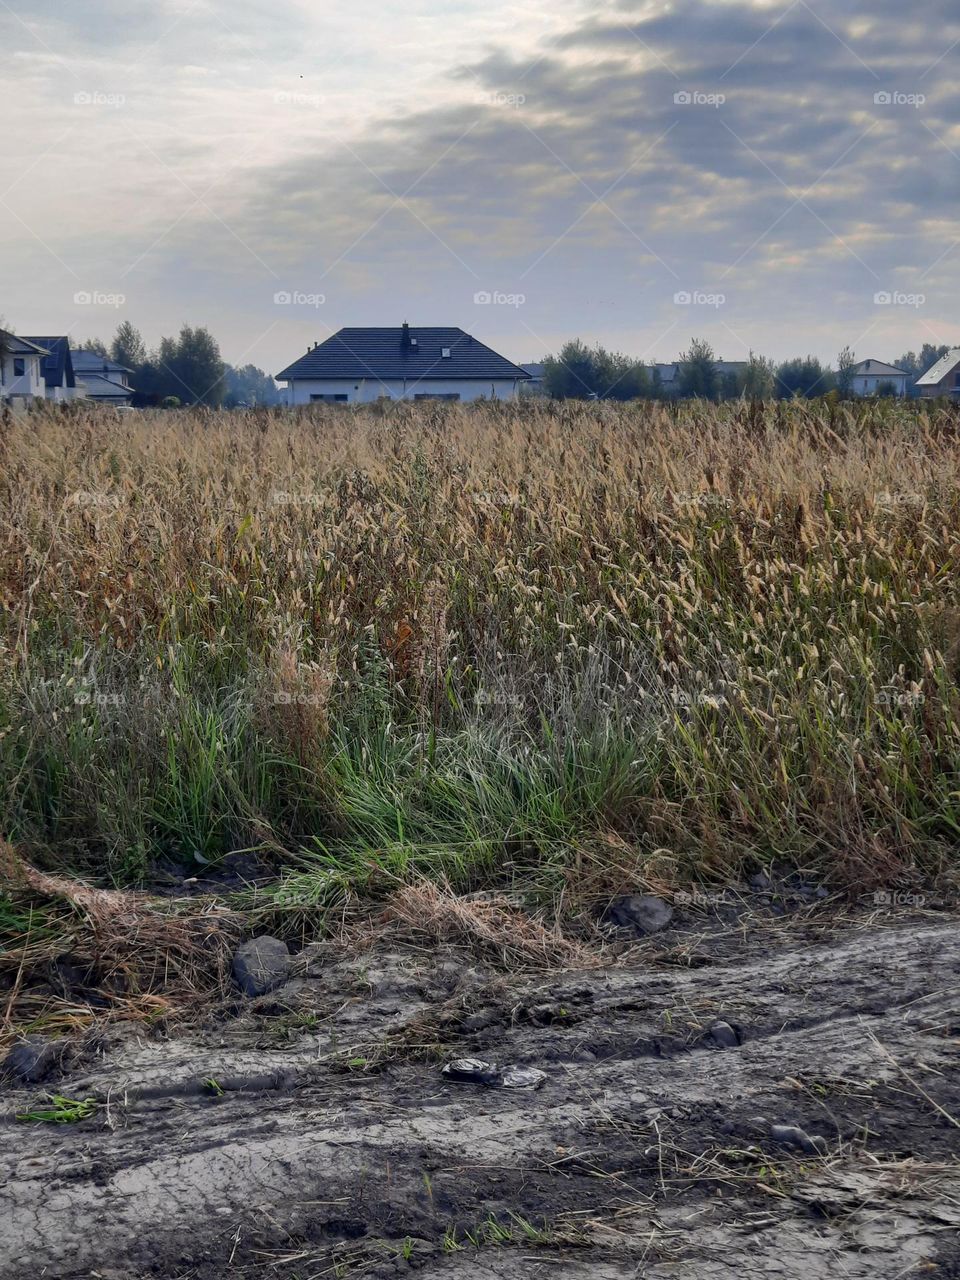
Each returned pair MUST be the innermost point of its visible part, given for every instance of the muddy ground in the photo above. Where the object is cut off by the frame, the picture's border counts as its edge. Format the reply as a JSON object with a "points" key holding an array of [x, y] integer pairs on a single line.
{"points": [[310, 1133]]}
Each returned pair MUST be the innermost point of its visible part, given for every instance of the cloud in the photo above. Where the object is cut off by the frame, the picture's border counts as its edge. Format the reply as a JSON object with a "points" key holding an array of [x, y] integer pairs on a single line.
{"points": [[797, 156]]}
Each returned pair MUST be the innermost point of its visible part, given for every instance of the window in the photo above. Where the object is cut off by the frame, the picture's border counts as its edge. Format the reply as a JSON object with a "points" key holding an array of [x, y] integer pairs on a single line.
{"points": [[330, 399], [437, 395], [444, 353], [19, 366]]}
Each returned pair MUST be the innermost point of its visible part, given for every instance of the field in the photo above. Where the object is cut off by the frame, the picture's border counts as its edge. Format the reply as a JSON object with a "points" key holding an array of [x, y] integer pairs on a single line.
{"points": [[421, 690]]}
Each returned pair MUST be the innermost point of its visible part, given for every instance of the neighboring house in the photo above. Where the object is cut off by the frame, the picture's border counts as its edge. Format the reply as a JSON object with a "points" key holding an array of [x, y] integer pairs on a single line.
{"points": [[942, 378], [101, 379], [57, 368], [21, 376], [535, 385], [871, 376], [360, 365], [670, 373]]}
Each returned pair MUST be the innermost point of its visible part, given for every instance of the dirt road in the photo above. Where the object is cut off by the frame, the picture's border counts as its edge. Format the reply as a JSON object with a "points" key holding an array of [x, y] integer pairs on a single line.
{"points": [[310, 1133]]}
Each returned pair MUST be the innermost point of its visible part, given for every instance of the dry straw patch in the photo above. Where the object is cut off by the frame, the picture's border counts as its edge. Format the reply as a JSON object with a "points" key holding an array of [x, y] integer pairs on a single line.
{"points": [[140, 959]]}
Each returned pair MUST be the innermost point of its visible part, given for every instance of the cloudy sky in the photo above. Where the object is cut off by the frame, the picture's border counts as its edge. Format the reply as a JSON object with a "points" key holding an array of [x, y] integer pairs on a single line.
{"points": [[776, 176]]}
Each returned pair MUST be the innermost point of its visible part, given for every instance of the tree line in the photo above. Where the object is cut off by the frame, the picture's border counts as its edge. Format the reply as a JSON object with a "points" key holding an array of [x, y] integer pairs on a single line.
{"points": [[185, 370], [580, 372]]}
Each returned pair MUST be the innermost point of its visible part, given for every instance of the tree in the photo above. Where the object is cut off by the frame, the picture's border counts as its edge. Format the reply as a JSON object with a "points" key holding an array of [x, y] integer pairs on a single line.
{"points": [[803, 376], [698, 371], [127, 348], [96, 346], [188, 367], [248, 385], [582, 373], [846, 363], [758, 380], [570, 375]]}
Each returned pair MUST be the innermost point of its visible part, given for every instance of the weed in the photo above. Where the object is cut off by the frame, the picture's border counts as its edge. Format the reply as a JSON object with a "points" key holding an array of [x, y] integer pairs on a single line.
{"points": [[61, 1111]]}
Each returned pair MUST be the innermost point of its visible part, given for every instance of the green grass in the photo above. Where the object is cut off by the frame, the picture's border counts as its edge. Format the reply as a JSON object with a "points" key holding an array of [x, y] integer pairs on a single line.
{"points": [[61, 1110]]}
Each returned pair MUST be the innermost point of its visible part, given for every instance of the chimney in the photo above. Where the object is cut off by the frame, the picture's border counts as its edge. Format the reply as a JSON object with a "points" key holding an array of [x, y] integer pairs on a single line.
{"points": [[405, 336]]}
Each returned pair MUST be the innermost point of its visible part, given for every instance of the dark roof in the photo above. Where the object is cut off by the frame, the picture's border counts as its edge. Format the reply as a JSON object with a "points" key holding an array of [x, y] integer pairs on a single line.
{"points": [[89, 362], [20, 346], [57, 367], [382, 354], [95, 386]]}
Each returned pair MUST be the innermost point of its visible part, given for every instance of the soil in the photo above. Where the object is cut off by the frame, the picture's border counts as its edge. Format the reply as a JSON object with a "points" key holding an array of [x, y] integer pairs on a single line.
{"points": [[310, 1133]]}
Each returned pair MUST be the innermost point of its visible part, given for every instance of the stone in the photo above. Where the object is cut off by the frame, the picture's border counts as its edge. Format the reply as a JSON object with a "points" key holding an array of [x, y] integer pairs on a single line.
{"points": [[32, 1059], [641, 912], [261, 964], [791, 1135], [724, 1035]]}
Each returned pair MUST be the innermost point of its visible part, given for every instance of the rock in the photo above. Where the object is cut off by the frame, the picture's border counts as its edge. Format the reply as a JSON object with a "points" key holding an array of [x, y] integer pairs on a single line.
{"points": [[640, 912], [261, 964], [522, 1078], [791, 1135], [33, 1059], [724, 1035], [760, 881]]}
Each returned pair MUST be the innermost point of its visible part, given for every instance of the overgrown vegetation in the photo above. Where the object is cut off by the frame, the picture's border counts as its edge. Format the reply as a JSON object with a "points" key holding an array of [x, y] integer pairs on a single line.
{"points": [[549, 644]]}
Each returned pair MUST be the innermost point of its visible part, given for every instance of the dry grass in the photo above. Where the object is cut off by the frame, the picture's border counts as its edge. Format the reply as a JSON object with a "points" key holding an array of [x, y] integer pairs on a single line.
{"points": [[484, 643], [137, 959]]}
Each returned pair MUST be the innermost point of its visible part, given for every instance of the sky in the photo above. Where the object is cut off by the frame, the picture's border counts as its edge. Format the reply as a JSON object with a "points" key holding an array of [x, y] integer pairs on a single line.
{"points": [[774, 176]]}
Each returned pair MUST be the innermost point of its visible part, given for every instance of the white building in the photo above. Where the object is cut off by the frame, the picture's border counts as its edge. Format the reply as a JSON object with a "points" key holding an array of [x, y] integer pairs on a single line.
{"points": [[59, 382], [871, 376], [101, 379], [21, 374], [942, 378], [361, 365]]}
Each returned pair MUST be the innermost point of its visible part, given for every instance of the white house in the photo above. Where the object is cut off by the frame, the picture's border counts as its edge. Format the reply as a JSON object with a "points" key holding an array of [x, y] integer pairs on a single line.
{"points": [[871, 376], [59, 382], [101, 379], [942, 378], [360, 365], [21, 375]]}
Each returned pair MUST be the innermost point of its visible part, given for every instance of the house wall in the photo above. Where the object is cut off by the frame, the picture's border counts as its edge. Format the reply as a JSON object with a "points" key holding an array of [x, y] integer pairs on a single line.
{"points": [[29, 384], [947, 386], [867, 384], [365, 390]]}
